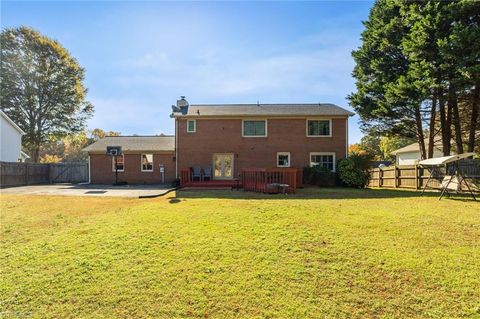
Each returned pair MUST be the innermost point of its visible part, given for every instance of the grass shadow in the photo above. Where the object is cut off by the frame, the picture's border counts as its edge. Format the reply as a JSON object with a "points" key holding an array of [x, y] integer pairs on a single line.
{"points": [[307, 193]]}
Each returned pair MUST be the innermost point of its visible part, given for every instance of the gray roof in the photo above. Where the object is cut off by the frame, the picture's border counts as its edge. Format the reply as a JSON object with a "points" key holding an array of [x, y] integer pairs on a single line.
{"points": [[414, 147], [223, 110], [134, 143]]}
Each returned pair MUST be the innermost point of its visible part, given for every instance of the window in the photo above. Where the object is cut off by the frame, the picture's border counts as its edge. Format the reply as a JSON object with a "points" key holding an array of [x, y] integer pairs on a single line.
{"points": [[255, 128], [120, 163], [147, 162], [319, 127], [326, 160], [191, 126], [283, 159]]}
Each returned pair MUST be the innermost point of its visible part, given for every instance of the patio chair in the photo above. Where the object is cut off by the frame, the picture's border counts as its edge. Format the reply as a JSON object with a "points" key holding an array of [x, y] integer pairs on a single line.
{"points": [[197, 173], [207, 173]]}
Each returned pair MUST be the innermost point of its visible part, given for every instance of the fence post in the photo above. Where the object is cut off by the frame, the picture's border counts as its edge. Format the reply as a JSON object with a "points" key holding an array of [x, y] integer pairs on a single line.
{"points": [[416, 177], [380, 176], [26, 173], [395, 171]]}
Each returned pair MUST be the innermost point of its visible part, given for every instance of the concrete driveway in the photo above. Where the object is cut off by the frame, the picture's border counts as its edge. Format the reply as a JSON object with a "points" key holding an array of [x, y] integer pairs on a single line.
{"points": [[135, 191]]}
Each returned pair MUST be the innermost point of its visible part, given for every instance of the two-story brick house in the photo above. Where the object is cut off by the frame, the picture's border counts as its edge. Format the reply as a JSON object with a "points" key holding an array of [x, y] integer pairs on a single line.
{"points": [[233, 137], [229, 138]]}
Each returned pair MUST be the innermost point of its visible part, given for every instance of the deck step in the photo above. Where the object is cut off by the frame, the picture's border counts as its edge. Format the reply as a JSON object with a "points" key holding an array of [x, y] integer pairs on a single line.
{"points": [[199, 188]]}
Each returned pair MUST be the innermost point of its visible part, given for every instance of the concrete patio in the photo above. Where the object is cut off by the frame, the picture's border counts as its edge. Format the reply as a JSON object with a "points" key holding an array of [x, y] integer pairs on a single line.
{"points": [[133, 191]]}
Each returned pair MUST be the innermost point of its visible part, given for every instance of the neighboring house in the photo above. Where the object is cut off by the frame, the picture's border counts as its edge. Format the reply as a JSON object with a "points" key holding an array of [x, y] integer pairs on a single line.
{"points": [[410, 154], [228, 138], [232, 137], [11, 141], [141, 162]]}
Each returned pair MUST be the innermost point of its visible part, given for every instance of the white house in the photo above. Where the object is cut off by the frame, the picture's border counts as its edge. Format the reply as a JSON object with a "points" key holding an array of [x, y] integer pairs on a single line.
{"points": [[410, 154], [11, 140]]}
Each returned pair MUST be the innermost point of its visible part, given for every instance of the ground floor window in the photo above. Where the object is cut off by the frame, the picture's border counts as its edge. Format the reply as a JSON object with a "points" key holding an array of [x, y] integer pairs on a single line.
{"points": [[147, 162], [120, 163], [326, 160], [283, 159]]}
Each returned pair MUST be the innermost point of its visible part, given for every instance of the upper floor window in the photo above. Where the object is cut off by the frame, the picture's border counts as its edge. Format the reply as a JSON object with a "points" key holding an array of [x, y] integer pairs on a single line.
{"points": [[255, 128], [283, 159], [119, 160], [147, 162], [319, 128], [326, 160], [191, 126]]}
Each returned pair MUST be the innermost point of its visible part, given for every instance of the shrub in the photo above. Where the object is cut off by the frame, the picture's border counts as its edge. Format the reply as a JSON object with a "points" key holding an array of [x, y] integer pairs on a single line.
{"points": [[353, 170], [319, 176]]}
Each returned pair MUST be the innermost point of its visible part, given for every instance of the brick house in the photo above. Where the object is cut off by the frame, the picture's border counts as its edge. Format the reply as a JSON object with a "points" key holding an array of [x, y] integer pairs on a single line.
{"points": [[230, 138], [233, 137], [141, 162]]}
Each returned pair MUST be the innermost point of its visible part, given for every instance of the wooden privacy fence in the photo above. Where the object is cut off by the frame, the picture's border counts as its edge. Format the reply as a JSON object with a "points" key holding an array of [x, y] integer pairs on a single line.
{"points": [[415, 176], [72, 172], [17, 174], [259, 179]]}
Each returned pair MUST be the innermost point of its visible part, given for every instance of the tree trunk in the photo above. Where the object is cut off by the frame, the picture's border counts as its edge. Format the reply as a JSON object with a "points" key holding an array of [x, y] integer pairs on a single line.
{"points": [[445, 128], [431, 129], [420, 136], [474, 117], [36, 154], [447, 143], [453, 102]]}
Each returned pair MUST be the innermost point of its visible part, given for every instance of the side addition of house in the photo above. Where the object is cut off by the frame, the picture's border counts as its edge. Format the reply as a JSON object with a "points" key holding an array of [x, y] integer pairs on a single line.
{"points": [[145, 160]]}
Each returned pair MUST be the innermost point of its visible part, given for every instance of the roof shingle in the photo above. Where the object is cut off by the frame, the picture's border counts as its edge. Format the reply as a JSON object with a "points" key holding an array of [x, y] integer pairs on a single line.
{"points": [[223, 110], [134, 143]]}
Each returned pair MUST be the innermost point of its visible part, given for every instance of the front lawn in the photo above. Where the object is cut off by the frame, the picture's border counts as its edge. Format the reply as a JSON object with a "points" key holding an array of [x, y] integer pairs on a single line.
{"points": [[323, 253]]}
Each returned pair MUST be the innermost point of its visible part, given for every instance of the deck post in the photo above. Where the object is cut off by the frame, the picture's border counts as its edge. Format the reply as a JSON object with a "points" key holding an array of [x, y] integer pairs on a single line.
{"points": [[395, 171], [416, 177]]}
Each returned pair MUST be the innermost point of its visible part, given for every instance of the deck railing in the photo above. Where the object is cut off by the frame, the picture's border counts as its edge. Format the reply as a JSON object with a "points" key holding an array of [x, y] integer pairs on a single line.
{"points": [[185, 176], [263, 180]]}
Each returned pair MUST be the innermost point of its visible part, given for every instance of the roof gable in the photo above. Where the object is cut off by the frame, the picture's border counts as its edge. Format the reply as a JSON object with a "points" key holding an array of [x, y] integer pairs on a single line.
{"points": [[11, 122]]}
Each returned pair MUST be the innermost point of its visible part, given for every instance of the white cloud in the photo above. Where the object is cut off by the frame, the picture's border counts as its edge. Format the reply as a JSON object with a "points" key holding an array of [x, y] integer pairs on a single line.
{"points": [[215, 74]]}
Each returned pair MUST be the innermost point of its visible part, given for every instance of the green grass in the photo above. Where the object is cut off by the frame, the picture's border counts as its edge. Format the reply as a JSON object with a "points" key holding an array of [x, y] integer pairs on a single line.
{"points": [[323, 253]]}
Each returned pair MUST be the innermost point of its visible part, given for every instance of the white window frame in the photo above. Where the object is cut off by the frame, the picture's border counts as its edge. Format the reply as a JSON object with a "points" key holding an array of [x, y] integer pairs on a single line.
{"points": [[289, 159], [254, 120], [322, 153], [113, 163], [141, 163], [329, 123], [194, 126]]}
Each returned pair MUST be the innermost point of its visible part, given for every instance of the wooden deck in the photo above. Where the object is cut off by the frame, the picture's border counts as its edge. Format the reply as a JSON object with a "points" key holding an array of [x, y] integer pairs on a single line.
{"points": [[255, 179], [223, 184]]}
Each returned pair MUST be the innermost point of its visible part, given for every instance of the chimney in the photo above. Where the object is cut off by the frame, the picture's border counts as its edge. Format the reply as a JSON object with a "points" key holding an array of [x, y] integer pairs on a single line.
{"points": [[182, 102]]}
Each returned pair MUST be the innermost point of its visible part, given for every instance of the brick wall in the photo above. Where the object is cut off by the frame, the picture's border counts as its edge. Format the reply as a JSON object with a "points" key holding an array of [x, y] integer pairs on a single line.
{"points": [[284, 135], [101, 169]]}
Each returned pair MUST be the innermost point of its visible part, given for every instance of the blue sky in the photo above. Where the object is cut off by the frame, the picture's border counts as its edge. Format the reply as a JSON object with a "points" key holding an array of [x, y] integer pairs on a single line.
{"points": [[141, 56]]}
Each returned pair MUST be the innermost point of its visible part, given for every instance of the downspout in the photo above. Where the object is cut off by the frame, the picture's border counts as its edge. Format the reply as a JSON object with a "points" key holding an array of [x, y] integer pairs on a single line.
{"points": [[89, 168], [176, 148], [346, 146]]}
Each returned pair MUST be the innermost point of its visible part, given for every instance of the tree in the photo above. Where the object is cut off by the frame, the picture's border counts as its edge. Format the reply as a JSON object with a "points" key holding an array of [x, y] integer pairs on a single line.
{"points": [[98, 133], [69, 148], [417, 59], [42, 87], [388, 144]]}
